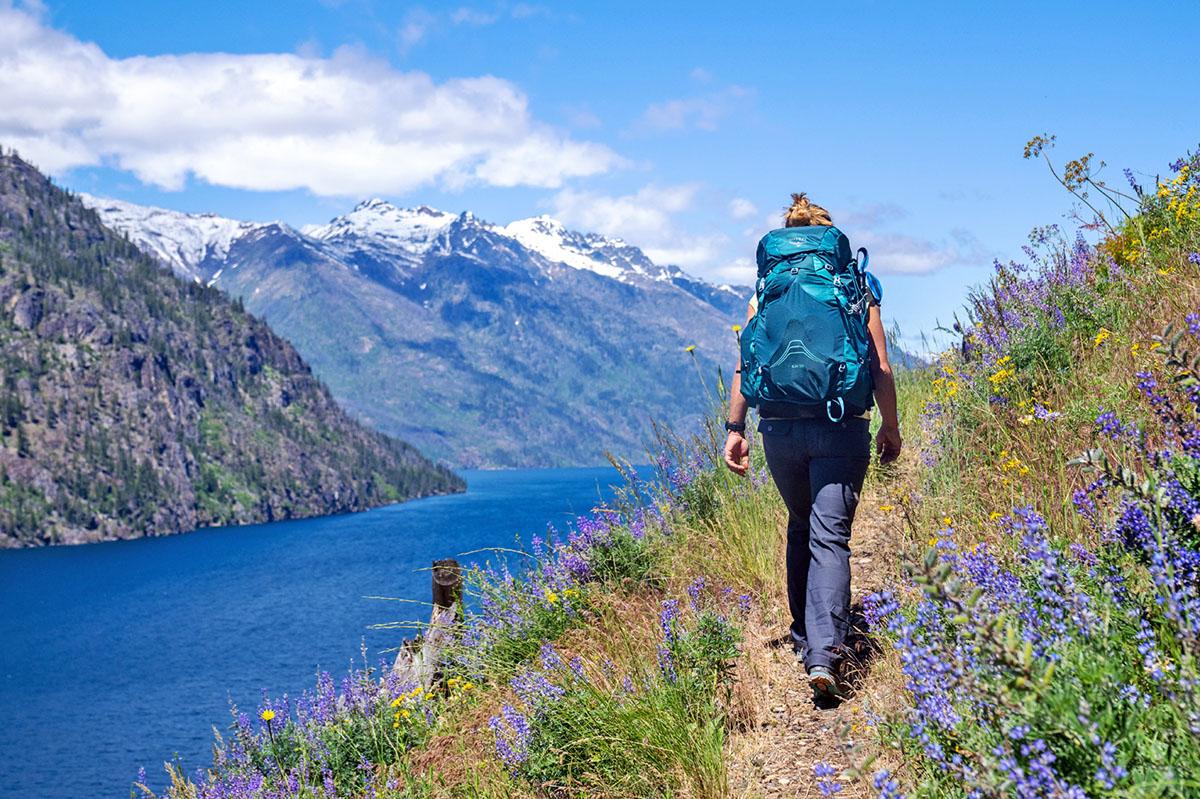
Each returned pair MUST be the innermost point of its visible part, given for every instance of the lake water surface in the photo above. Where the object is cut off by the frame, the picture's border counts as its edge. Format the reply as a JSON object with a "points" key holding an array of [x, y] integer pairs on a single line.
{"points": [[121, 654]]}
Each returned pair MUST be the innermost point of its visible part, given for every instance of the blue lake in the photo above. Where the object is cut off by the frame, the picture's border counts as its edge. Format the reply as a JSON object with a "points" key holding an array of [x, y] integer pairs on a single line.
{"points": [[122, 654]]}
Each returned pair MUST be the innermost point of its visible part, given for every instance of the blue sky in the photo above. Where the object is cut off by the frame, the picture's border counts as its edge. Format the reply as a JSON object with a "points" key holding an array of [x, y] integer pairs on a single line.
{"points": [[681, 127]]}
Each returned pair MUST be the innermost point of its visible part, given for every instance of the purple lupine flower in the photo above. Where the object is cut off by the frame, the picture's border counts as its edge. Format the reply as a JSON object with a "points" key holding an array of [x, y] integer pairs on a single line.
{"points": [[888, 788], [667, 618], [512, 732], [666, 664], [824, 772], [549, 657]]}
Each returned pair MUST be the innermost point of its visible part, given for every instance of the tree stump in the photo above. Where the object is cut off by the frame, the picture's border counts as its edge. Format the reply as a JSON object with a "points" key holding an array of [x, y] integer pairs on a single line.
{"points": [[420, 659]]}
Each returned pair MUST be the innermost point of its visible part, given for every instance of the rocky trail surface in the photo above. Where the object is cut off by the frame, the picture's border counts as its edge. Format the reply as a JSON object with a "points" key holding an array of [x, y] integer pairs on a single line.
{"points": [[772, 754]]}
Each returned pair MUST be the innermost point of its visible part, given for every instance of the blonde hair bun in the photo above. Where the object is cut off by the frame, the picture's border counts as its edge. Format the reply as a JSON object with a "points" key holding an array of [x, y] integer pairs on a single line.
{"points": [[803, 213]]}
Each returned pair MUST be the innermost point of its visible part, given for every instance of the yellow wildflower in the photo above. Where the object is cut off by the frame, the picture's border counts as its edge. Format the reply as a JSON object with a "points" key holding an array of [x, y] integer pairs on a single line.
{"points": [[689, 348], [1134, 348], [551, 596], [886, 508], [736, 328], [1102, 336], [267, 715]]}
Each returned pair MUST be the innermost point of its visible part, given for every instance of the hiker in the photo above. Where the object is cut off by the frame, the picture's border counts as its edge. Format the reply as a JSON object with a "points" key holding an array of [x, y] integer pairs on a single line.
{"points": [[813, 362]]}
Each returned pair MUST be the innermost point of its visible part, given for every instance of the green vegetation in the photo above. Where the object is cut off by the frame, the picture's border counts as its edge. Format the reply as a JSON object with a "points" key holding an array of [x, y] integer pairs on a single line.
{"points": [[1036, 616], [133, 403]]}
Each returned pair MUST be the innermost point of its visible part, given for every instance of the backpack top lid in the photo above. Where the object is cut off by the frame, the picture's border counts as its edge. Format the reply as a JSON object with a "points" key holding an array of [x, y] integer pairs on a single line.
{"points": [[787, 243]]}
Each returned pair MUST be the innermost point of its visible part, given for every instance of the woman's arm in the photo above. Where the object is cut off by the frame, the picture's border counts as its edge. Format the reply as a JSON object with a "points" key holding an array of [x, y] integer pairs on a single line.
{"points": [[737, 448], [887, 441]]}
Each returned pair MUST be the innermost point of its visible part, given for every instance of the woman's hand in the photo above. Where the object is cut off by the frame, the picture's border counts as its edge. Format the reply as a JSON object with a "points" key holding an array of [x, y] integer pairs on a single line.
{"points": [[887, 444], [737, 453]]}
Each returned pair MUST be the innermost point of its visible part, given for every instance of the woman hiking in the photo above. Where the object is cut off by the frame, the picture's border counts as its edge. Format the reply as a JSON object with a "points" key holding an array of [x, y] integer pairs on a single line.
{"points": [[818, 304]]}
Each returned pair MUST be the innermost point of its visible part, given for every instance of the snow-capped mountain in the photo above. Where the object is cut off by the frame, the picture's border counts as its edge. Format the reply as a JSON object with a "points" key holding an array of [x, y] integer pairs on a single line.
{"points": [[609, 257], [197, 246], [413, 230], [518, 345], [189, 243]]}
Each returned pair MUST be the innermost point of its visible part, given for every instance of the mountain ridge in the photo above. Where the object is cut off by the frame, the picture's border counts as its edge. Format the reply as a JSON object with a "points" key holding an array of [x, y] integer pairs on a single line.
{"points": [[136, 403], [466, 337]]}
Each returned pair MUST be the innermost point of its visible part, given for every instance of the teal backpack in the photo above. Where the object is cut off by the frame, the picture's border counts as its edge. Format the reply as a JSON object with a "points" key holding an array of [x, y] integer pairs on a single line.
{"points": [[807, 343]]}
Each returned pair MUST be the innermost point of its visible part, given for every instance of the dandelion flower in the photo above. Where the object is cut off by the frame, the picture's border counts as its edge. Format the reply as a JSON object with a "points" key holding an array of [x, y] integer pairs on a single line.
{"points": [[736, 328], [689, 348], [267, 715]]}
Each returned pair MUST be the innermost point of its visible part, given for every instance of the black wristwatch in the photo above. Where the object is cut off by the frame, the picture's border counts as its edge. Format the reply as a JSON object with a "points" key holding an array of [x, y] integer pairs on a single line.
{"points": [[735, 427]]}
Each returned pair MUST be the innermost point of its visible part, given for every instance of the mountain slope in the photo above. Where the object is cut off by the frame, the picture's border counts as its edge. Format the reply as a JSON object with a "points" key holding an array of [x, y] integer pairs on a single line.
{"points": [[135, 403], [524, 345]]}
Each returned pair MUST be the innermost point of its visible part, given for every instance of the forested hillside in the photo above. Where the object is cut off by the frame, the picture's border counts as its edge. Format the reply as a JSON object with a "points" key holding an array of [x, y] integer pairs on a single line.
{"points": [[134, 403]]}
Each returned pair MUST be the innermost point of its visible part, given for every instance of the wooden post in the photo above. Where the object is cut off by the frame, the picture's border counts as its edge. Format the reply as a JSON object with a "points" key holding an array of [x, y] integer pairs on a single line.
{"points": [[420, 659], [448, 585]]}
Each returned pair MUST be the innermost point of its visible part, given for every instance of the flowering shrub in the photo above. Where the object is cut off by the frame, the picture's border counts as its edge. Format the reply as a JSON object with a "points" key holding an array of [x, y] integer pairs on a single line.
{"points": [[1059, 658], [512, 614], [333, 739]]}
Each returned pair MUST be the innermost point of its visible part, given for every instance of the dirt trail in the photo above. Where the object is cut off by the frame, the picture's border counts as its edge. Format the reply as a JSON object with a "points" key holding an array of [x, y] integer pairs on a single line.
{"points": [[781, 734]]}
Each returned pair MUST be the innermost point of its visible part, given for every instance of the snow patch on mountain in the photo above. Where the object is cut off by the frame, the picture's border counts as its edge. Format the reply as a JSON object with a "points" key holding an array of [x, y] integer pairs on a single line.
{"points": [[414, 230], [551, 240], [185, 241]]}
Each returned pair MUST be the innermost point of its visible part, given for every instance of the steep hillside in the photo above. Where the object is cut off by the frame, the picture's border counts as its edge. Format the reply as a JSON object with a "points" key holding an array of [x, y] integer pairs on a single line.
{"points": [[525, 345], [134, 403]]}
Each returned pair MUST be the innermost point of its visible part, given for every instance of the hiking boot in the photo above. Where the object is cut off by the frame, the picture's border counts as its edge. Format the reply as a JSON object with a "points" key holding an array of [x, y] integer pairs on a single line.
{"points": [[823, 683]]}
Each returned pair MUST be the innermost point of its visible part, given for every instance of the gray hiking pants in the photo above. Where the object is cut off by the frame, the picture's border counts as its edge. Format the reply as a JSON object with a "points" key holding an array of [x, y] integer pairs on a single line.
{"points": [[818, 467]]}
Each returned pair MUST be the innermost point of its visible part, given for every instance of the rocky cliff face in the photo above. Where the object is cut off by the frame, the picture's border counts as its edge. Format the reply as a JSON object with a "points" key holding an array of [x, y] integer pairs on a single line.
{"points": [[135, 403], [522, 345]]}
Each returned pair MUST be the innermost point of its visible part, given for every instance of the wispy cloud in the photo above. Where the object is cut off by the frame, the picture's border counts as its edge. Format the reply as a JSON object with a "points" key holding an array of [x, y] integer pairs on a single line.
{"points": [[702, 112], [645, 219], [740, 208], [343, 125], [416, 24], [471, 16], [580, 116], [902, 254], [869, 216]]}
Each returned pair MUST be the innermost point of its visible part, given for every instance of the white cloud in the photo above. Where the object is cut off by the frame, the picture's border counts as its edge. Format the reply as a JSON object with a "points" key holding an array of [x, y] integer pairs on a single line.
{"points": [[740, 208], [638, 218], [644, 219], [693, 112], [344, 125]]}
